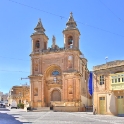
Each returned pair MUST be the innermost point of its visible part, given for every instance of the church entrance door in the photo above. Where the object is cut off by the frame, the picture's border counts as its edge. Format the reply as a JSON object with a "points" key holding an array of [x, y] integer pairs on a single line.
{"points": [[55, 95]]}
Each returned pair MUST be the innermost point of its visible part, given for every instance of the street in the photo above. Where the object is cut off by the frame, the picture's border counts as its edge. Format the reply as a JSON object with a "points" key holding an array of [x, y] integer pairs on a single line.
{"points": [[19, 116]]}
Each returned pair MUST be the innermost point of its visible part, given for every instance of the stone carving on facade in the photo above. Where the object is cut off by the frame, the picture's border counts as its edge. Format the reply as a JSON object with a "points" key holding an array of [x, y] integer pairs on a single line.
{"points": [[54, 81], [53, 42], [36, 65], [70, 89], [70, 60], [36, 92]]}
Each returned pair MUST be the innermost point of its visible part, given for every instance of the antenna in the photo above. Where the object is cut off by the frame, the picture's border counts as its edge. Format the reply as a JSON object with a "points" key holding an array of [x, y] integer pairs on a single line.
{"points": [[106, 58], [24, 78]]}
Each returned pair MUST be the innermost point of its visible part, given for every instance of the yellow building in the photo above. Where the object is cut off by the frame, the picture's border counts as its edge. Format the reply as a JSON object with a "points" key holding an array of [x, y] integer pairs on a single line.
{"points": [[109, 88], [59, 76], [19, 94]]}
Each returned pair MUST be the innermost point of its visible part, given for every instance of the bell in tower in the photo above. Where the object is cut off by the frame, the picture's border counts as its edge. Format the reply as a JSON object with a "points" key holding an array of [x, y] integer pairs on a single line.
{"points": [[71, 34], [70, 42], [39, 38]]}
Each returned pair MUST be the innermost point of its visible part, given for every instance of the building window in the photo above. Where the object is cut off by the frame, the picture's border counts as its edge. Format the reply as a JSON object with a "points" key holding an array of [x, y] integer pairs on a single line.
{"points": [[55, 73], [101, 98], [112, 80], [37, 45], [120, 97], [118, 79], [101, 79], [122, 79]]}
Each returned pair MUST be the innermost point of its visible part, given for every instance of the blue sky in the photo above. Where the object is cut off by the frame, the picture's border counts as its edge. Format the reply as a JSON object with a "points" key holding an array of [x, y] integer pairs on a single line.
{"points": [[101, 24]]}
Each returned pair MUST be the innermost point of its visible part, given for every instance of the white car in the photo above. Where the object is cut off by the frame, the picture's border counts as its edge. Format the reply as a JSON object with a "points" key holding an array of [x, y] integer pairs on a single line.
{"points": [[13, 105]]}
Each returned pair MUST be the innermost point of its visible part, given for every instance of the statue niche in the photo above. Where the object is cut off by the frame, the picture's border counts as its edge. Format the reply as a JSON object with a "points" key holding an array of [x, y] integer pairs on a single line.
{"points": [[36, 92], [70, 90], [70, 61], [36, 65]]}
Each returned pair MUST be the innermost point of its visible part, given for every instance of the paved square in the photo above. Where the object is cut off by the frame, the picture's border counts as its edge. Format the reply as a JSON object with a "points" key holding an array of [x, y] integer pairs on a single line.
{"points": [[19, 116]]}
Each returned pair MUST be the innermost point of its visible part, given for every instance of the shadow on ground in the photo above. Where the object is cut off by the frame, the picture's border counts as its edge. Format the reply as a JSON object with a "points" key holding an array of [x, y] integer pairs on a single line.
{"points": [[4, 109], [9, 119]]}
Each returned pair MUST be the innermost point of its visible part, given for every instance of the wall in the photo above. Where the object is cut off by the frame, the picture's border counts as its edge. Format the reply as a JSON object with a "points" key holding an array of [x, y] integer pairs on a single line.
{"points": [[66, 109]]}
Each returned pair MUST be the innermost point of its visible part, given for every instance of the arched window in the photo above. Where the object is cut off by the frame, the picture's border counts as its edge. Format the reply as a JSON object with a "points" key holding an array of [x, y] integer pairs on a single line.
{"points": [[55, 73], [70, 41], [37, 45]]}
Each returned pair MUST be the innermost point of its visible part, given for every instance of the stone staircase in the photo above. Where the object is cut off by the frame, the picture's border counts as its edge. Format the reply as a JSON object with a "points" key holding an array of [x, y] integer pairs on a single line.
{"points": [[41, 109]]}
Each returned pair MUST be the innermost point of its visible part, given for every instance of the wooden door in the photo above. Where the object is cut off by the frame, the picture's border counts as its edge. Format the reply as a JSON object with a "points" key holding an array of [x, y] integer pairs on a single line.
{"points": [[102, 105], [56, 95], [120, 104]]}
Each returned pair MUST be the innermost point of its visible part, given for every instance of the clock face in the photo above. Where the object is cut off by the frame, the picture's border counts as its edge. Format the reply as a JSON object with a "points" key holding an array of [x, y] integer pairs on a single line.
{"points": [[55, 73]]}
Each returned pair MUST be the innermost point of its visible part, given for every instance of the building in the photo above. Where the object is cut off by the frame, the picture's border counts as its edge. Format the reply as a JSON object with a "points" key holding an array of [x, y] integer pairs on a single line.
{"points": [[109, 88], [19, 94], [59, 76], [3, 97], [1, 93]]}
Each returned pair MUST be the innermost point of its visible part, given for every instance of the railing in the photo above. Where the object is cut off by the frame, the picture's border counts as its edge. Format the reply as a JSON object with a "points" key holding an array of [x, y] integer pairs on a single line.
{"points": [[53, 50], [54, 82]]}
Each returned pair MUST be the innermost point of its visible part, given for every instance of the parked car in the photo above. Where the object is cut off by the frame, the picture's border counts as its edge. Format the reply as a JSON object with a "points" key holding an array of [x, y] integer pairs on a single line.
{"points": [[2, 104], [13, 105]]}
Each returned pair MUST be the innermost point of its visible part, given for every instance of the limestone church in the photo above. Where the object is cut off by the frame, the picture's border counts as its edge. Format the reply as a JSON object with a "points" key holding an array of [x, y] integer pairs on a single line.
{"points": [[59, 76]]}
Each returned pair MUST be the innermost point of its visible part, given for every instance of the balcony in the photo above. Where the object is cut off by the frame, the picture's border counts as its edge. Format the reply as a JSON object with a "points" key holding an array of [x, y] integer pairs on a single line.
{"points": [[117, 86]]}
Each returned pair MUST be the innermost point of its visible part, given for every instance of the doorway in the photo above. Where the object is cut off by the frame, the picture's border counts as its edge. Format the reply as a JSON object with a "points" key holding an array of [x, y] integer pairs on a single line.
{"points": [[55, 95], [102, 106], [120, 104]]}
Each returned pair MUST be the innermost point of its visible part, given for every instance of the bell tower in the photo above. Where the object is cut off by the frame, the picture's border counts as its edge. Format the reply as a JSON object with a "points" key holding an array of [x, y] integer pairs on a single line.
{"points": [[71, 34], [39, 38]]}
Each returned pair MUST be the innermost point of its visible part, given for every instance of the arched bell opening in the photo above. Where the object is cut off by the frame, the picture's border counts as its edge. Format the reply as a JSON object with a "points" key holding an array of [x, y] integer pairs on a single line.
{"points": [[70, 41], [37, 44]]}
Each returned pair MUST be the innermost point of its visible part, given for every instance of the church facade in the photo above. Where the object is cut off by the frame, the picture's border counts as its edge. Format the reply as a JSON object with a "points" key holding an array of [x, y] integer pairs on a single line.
{"points": [[59, 76]]}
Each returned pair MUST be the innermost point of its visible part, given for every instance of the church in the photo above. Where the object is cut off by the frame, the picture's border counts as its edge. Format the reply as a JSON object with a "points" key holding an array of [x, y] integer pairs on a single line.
{"points": [[59, 76]]}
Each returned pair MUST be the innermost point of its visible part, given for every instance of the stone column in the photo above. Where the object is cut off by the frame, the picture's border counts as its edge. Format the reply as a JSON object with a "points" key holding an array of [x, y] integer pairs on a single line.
{"points": [[32, 45], [42, 90], [39, 92], [31, 93], [66, 90], [63, 88], [77, 89], [74, 88]]}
